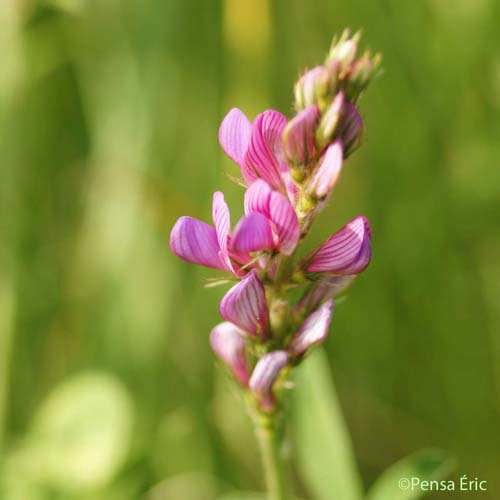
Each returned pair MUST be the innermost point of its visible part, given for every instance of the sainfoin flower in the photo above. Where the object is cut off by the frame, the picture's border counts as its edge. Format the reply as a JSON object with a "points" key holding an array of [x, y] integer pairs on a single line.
{"points": [[289, 169]]}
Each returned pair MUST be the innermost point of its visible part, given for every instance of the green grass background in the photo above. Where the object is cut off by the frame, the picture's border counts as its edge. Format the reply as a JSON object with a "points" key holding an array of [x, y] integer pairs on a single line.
{"points": [[109, 111]]}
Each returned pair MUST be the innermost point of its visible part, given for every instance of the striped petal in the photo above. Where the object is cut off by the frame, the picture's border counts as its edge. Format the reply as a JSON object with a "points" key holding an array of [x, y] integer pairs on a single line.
{"points": [[259, 197], [299, 136], [264, 376], [253, 233], [348, 251], [228, 344], [351, 129], [260, 159], [195, 241], [245, 305], [325, 177], [234, 135], [314, 330], [222, 222]]}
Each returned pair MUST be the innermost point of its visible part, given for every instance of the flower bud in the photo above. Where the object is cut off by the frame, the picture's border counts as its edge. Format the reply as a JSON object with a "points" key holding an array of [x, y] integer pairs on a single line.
{"points": [[330, 121], [351, 129], [344, 50], [314, 330], [228, 344], [311, 88], [264, 376], [362, 72], [328, 171], [299, 136]]}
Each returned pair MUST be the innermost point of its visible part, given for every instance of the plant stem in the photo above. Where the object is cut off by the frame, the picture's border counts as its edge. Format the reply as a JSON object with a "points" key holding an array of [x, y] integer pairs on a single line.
{"points": [[269, 433]]}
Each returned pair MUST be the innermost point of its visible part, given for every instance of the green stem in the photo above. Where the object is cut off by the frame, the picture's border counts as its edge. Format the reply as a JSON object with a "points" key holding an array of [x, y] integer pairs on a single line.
{"points": [[269, 434]]}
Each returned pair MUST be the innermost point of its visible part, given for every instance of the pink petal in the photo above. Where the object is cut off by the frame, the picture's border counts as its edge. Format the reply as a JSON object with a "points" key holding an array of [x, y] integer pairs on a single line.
{"points": [[234, 135], [260, 159], [253, 233], [351, 129], [245, 305], [314, 330], [348, 251], [264, 376], [287, 225], [260, 198], [299, 136], [194, 241], [325, 177], [228, 344], [257, 198], [222, 222]]}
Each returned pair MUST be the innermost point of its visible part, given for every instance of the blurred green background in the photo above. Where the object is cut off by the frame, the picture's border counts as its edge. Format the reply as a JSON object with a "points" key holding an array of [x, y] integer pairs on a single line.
{"points": [[109, 113]]}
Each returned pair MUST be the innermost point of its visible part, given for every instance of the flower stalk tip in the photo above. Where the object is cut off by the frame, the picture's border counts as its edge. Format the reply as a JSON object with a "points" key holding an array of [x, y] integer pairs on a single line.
{"points": [[289, 169]]}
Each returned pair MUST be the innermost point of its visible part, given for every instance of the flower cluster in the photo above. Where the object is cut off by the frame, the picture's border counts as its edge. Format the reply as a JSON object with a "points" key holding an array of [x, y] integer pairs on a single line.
{"points": [[289, 169]]}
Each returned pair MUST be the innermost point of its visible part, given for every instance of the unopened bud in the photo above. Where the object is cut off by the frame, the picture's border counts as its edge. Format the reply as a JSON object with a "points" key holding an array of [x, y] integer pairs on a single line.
{"points": [[362, 72], [351, 129], [264, 376], [327, 173], [330, 121], [299, 136], [344, 50], [311, 88]]}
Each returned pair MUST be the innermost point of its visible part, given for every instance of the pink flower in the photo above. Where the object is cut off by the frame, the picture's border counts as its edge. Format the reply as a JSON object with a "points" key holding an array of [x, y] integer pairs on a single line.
{"points": [[228, 344], [270, 222], [346, 252], [328, 171], [314, 330], [245, 305], [264, 376], [256, 147], [299, 136], [195, 241]]}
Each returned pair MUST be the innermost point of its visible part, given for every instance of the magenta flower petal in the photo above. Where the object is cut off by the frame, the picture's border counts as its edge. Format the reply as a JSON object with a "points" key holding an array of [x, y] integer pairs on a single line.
{"points": [[253, 233], [259, 197], [245, 305], [299, 136], [234, 135], [195, 241], [348, 251], [287, 225], [228, 344], [328, 171], [260, 159], [351, 129], [222, 222], [314, 330], [264, 376]]}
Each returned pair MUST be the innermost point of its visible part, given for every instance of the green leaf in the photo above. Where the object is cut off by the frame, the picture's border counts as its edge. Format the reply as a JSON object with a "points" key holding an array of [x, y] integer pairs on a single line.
{"points": [[82, 431], [426, 465], [324, 449]]}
